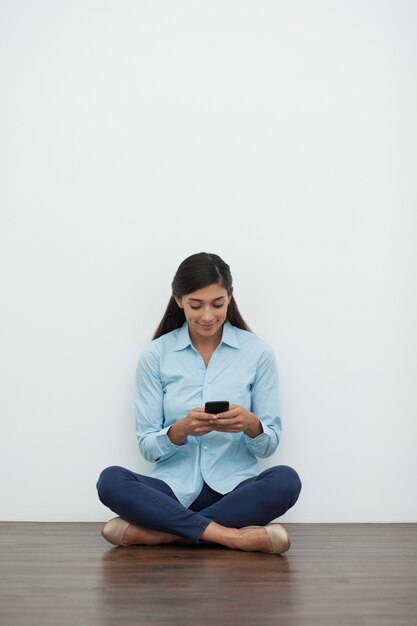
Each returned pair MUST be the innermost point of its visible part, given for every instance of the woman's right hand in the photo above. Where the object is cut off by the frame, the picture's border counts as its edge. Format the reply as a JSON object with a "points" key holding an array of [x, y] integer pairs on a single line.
{"points": [[196, 423]]}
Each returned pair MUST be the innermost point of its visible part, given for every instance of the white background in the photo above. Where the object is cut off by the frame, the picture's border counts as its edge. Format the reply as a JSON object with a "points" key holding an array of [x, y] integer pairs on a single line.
{"points": [[280, 135]]}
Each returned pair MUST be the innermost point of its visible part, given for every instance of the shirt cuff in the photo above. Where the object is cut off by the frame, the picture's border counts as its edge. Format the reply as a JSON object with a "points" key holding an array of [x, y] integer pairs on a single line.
{"points": [[163, 444], [260, 443]]}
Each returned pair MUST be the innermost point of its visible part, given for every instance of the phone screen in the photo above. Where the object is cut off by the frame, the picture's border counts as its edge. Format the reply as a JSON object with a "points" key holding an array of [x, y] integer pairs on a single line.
{"points": [[216, 407]]}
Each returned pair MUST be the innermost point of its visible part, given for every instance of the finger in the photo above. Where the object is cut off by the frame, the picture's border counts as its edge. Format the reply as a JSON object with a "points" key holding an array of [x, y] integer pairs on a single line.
{"points": [[228, 414], [224, 422], [204, 417], [208, 415], [228, 429], [227, 423], [199, 430]]}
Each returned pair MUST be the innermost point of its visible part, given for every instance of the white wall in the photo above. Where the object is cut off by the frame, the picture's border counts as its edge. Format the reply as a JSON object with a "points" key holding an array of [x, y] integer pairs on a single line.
{"points": [[280, 135]]}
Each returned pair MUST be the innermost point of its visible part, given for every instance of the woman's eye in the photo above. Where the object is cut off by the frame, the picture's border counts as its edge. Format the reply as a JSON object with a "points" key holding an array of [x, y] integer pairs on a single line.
{"points": [[216, 306]]}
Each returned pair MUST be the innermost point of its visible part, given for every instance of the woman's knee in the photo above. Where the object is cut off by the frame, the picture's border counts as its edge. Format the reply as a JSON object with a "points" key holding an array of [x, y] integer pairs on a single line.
{"points": [[108, 481], [294, 482], [287, 479]]}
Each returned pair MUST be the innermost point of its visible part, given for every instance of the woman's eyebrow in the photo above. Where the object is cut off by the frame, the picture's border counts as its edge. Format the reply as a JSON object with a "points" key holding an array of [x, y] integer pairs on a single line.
{"points": [[198, 300]]}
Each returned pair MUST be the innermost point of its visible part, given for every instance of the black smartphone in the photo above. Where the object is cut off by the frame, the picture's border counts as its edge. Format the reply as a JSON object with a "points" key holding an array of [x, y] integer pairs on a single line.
{"points": [[216, 407]]}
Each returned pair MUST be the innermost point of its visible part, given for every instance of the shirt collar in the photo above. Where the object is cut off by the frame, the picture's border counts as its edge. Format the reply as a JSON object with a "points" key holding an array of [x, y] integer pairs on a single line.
{"points": [[229, 336]]}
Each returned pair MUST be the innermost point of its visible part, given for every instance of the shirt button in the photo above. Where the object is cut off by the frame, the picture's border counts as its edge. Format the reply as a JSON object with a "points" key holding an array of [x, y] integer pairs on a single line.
{"points": [[205, 448]]}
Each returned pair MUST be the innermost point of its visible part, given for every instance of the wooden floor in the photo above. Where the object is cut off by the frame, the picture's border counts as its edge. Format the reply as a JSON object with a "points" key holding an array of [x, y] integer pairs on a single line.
{"points": [[336, 575]]}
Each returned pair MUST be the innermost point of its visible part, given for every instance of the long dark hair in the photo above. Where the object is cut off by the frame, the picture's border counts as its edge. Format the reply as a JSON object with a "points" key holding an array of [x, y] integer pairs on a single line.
{"points": [[195, 272]]}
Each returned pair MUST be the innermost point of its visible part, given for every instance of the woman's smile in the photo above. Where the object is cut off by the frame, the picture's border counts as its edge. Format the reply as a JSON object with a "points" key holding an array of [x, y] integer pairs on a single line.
{"points": [[207, 326]]}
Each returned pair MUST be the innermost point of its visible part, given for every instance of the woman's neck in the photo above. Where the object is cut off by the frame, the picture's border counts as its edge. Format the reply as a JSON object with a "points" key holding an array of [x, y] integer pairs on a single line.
{"points": [[205, 344]]}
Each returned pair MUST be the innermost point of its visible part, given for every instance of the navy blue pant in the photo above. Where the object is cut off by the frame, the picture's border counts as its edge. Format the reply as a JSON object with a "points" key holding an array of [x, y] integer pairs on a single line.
{"points": [[150, 502]]}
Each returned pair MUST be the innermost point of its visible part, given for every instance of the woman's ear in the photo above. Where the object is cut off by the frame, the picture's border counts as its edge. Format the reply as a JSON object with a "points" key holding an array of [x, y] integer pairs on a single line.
{"points": [[178, 300]]}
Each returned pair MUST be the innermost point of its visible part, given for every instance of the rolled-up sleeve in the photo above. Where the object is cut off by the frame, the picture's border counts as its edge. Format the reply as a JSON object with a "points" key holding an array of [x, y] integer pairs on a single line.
{"points": [[154, 443], [265, 405]]}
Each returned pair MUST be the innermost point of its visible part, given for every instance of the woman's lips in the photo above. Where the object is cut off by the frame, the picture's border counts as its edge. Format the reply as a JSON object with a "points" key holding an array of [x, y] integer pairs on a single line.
{"points": [[207, 326]]}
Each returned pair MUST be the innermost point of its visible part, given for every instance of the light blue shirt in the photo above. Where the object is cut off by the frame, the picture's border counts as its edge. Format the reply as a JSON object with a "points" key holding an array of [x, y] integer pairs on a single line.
{"points": [[172, 379]]}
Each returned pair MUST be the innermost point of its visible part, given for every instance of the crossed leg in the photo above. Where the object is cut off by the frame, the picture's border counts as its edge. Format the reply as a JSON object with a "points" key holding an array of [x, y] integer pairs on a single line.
{"points": [[148, 503]]}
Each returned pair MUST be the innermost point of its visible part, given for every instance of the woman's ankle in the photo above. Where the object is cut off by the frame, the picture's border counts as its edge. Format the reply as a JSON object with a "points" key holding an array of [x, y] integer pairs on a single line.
{"points": [[251, 539], [215, 533], [139, 535]]}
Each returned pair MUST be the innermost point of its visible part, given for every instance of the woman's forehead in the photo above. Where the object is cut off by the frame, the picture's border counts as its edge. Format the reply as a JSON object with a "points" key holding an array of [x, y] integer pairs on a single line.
{"points": [[210, 293]]}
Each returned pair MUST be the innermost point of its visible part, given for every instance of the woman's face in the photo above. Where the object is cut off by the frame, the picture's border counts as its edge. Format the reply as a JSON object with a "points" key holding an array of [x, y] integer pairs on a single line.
{"points": [[205, 310]]}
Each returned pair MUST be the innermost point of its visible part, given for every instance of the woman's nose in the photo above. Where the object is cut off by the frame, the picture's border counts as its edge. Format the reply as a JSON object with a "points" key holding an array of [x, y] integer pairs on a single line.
{"points": [[207, 316]]}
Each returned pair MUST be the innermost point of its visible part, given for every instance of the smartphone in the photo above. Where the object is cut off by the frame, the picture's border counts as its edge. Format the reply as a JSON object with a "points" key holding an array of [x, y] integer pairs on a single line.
{"points": [[216, 407]]}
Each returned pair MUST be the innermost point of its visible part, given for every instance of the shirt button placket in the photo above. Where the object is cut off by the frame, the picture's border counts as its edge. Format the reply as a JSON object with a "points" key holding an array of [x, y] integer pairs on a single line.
{"points": [[205, 391]]}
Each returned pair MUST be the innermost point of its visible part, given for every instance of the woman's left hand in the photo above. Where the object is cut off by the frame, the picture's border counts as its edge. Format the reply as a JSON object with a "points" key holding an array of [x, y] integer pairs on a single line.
{"points": [[237, 419]]}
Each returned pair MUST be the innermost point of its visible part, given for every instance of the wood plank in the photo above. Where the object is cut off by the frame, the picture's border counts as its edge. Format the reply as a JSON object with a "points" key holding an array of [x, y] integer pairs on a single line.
{"points": [[335, 574]]}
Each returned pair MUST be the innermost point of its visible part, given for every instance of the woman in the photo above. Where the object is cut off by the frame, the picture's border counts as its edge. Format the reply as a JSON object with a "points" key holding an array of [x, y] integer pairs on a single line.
{"points": [[204, 485]]}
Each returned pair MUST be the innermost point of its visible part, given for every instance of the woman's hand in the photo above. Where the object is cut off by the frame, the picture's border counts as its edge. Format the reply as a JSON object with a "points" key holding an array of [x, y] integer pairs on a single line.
{"points": [[196, 423], [237, 419]]}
